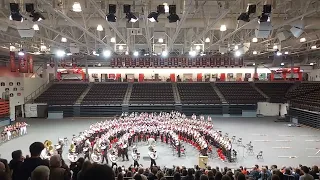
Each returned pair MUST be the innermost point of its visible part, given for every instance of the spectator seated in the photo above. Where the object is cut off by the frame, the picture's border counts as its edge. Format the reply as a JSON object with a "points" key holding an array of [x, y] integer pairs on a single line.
{"points": [[110, 93], [275, 91], [62, 94], [152, 93], [197, 93], [240, 93]]}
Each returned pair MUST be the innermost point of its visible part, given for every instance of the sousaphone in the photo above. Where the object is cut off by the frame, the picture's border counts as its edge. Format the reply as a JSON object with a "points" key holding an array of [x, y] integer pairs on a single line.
{"points": [[72, 155]]}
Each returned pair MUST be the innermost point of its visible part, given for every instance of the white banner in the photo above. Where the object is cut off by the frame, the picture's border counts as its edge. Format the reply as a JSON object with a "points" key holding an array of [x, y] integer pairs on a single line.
{"points": [[30, 110]]}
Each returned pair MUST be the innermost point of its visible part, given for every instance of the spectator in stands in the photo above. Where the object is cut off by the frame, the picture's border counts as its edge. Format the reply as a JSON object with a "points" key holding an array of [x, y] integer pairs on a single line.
{"points": [[218, 176], [4, 175], [2, 167], [76, 167], [160, 175], [152, 175], [230, 174], [203, 177], [163, 178], [225, 177], [255, 173], [6, 166], [176, 176], [264, 174], [210, 175], [56, 170], [189, 176], [306, 175], [40, 173], [86, 165], [297, 174], [241, 176], [34, 161], [140, 172], [147, 172], [120, 176], [184, 172], [197, 175], [275, 177], [315, 172], [15, 163], [99, 172]]}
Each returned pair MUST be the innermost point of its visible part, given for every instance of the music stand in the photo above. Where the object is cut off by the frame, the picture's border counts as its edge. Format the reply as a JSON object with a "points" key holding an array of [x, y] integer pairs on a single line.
{"points": [[233, 139]]}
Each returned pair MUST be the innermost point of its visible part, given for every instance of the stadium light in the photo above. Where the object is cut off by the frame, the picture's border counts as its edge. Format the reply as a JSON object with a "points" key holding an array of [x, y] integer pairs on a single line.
{"points": [[286, 52], [254, 40], [279, 53], [99, 27], [198, 47], [21, 53], [207, 40], [126, 53], [238, 53], [160, 40], [275, 47], [136, 53], [192, 53], [120, 47], [63, 39], [303, 40], [313, 47], [282, 64], [236, 47], [113, 40], [164, 53], [223, 28], [255, 52], [76, 7], [35, 27]]}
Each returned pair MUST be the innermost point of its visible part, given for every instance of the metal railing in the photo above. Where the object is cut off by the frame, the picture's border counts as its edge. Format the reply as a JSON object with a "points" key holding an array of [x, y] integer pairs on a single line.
{"points": [[38, 91]]}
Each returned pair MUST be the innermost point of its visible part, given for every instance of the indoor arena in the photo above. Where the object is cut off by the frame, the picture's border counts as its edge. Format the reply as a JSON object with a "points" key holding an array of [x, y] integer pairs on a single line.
{"points": [[159, 90]]}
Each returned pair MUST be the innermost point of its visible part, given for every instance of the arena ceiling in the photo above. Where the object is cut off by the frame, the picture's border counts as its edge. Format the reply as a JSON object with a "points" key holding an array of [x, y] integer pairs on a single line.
{"points": [[200, 20]]}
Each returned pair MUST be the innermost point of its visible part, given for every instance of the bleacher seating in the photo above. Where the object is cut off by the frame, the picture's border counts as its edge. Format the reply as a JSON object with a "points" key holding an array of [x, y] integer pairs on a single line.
{"points": [[275, 91], [110, 93], [197, 93], [152, 93], [62, 94], [240, 93], [305, 96]]}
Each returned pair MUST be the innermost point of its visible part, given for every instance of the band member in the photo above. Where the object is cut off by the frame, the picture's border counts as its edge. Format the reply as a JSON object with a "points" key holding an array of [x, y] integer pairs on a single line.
{"points": [[135, 157], [125, 151], [86, 149], [105, 155], [153, 156], [179, 149], [113, 158], [59, 147]]}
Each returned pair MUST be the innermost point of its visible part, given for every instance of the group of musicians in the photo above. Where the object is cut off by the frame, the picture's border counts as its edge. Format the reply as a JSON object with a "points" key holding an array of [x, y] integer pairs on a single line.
{"points": [[14, 130], [113, 137]]}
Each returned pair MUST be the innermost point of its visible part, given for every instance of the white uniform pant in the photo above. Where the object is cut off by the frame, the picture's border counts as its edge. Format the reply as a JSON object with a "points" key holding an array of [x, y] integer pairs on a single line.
{"points": [[8, 135]]}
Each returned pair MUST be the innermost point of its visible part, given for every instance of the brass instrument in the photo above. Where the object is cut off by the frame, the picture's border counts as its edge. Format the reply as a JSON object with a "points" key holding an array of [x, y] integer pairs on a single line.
{"points": [[49, 147], [72, 155], [72, 148]]}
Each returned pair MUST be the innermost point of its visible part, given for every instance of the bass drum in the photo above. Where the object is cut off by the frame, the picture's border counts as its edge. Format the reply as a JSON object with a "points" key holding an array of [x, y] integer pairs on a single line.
{"points": [[97, 158], [73, 157]]}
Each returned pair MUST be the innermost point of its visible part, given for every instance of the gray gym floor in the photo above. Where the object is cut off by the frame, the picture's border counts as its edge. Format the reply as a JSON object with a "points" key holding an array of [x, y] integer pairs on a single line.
{"points": [[281, 145]]}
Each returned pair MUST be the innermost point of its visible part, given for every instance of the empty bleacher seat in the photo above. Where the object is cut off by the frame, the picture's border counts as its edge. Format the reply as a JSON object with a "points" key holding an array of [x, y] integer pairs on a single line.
{"points": [[197, 93], [110, 93], [62, 94], [240, 93], [152, 93], [275, 91]]}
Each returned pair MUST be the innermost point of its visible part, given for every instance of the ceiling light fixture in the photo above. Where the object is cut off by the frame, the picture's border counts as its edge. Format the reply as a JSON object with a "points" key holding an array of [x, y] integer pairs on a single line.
{"points": [[303, 40], [21, 53], [255, 52], [126, 53], [12, 48], [223, 28], [254, 40], [286, 52], [164, 53], [15, 12], [254, 64], [43, 48], [314, 47], [76, 7], [111, 17], [99, 27], [120, 47], [60, 53], [113, 40], [275, 47], [35, 27], [153, 17], [311, 64], [63, 39], [192, 53], [282, 64], [131, 17], [198, 47], [279, 53], [107, 53], [136, 53], [236, 47], [160, 40], [69, 54], [207, 40], [238, 53]]}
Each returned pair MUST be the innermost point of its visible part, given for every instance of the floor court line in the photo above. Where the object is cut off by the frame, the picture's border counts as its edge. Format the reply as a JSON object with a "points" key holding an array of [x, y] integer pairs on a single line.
{"points": [[259, 134], [261, 140], [290, 157], [286, 135], [312, 140], [283, 140], [309, 135], [281, 147]]}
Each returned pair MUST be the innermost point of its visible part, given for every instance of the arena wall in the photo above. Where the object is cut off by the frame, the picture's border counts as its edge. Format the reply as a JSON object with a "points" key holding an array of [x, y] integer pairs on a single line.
{"points": [[272, 109]]}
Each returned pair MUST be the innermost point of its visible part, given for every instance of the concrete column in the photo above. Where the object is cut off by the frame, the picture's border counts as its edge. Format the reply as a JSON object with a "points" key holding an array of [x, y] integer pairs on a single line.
{"points": [[292, 66], [55, 67], [22, 110]]}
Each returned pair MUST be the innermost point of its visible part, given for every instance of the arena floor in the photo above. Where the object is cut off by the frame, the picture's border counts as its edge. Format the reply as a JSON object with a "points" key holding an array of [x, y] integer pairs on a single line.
{"points": [[281, 145]]}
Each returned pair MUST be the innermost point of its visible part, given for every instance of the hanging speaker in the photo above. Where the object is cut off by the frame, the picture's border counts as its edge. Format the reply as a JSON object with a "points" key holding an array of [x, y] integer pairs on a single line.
{"points": [[126, 8], [172, 9], [297, 28], [263, 30], [267, 8], [160, 9], [29, 7], [112, 8], [252, 8]]}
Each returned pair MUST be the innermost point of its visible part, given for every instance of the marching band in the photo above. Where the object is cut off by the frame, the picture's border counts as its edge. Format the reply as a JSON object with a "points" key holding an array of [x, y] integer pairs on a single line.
{"points": [[15, 130], [115, 136]]}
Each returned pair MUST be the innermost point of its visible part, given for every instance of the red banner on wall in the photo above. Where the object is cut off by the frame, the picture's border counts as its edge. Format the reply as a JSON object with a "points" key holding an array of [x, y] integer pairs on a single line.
{"points": [[30, 65], [12, 61], [51, 62], [23, 64]]}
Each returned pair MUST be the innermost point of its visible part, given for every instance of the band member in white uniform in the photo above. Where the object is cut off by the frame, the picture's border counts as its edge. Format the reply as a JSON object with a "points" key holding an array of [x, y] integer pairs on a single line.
{"points": [[125, 151], [135, 157], [153, 156], [113, 158]]}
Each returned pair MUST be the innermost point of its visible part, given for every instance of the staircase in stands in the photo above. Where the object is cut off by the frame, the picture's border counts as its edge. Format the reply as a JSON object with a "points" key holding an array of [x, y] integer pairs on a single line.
{"points": [[222, 98], [176, 93], [261, 92], [85, 92], [128, 94], [36, 93]]}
